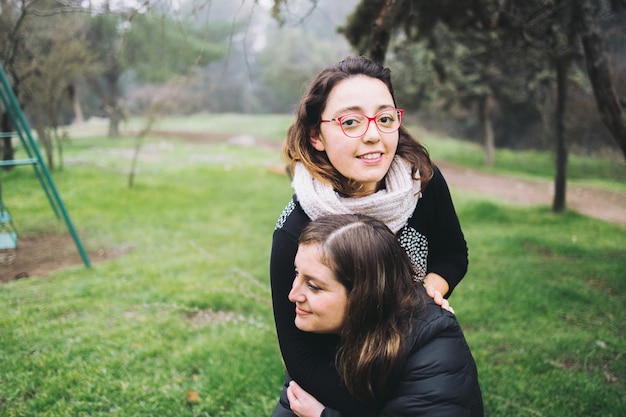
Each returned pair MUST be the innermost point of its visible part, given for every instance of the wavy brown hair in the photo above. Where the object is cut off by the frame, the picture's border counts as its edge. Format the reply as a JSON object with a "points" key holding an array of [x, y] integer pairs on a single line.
{"points": [[384, 300], [298, 148]]}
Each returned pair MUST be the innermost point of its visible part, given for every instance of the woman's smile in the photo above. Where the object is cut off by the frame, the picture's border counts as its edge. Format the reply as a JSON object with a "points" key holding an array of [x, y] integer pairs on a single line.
{"points": [[373, 157], [301, 312]]}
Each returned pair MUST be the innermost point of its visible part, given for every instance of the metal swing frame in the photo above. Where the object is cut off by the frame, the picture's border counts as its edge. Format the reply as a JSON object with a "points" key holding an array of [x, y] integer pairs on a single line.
{"points": [[23, 131]]}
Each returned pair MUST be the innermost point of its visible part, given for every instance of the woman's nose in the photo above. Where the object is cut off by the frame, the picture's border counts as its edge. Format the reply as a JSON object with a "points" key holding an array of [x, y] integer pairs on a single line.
{"points": [[371, 134], [294, 294]]}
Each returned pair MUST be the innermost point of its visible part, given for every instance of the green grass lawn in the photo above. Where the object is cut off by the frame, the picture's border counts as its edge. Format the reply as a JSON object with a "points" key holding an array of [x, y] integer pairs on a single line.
{"points": [[187, 310]]}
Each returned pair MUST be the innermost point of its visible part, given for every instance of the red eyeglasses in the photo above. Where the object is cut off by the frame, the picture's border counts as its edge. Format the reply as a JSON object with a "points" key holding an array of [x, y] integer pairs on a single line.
{"points": [[355, 125]]}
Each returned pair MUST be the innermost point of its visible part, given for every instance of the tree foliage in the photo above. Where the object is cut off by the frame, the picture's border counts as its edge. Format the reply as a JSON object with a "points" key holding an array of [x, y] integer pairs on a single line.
{"points": [[495, 51], [153, 45], [541, 32], [60, 59], [48, 47], [157, 47], [286, 74], [612, 108], [42, 49]]}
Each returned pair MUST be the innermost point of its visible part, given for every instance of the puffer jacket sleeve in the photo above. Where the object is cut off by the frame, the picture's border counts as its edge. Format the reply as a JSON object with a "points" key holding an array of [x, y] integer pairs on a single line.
{"points": [[440, 377]]}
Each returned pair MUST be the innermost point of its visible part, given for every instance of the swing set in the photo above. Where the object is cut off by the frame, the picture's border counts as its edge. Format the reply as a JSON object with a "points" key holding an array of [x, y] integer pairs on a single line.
{"points": [[8, 233]]}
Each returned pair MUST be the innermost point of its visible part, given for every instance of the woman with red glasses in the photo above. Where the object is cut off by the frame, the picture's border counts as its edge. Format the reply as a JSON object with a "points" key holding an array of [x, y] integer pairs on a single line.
{"points": [[349, 153]]}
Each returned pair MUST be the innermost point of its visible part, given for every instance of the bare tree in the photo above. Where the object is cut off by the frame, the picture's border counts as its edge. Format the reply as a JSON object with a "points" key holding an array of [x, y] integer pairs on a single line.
{"points": [[41, 59], [62, 58]]}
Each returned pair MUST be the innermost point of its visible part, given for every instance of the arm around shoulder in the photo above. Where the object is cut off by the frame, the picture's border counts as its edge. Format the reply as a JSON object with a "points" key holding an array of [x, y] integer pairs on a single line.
{"points": [[309, 357], [435, 217]]}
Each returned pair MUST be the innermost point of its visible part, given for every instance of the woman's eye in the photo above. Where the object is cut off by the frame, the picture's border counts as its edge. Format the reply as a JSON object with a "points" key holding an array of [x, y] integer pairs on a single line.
{"points": [[313, 287], [350, 122], [385, 120]]}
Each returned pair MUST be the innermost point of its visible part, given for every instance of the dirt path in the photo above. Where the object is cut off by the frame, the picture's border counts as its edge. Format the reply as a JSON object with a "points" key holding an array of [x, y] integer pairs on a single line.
{"points": [[593, 202], [39, 256]]}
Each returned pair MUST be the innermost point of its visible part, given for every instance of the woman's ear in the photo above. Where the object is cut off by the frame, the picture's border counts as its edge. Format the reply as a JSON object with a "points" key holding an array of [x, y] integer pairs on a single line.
{"points": [[316, 140]]}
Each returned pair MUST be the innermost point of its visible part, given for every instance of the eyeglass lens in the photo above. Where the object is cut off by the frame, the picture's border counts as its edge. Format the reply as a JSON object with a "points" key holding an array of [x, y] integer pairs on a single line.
{"points": [[356, 124]]}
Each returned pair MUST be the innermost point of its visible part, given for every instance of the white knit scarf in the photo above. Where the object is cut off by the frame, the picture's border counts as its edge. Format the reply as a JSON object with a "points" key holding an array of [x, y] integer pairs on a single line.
{"points": [[393, 205]]}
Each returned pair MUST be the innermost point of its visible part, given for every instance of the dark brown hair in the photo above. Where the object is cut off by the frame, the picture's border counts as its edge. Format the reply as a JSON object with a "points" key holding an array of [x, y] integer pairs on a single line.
{"points": [[384, 300], [298, 148]]}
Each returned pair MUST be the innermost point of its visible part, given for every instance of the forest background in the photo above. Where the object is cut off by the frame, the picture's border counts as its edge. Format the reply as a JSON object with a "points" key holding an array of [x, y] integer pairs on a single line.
{"points": [[507, 74]]}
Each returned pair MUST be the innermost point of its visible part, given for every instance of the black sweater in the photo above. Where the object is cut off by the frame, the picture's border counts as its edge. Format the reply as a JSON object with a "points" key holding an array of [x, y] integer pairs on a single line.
{"points": [[434, 241]]}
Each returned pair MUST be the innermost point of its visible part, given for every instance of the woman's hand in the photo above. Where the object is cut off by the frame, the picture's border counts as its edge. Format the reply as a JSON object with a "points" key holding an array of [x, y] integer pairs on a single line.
{"points": [[302, 403], [436, 287]]}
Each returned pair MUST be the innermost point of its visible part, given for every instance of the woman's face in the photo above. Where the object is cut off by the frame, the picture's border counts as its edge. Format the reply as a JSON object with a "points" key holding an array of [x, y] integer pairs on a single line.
{"points": [[320, 299], [365, 159]]}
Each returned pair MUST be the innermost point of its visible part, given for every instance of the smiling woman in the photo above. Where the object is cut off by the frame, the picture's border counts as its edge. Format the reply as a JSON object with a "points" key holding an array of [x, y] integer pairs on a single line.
{"points": [[359, 150], [320, 299], [343, 163], [398, 352]]}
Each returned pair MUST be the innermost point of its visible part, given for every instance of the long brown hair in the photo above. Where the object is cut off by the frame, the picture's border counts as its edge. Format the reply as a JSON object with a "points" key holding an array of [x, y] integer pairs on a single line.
{"points": [[298, 148], [383, 299]]}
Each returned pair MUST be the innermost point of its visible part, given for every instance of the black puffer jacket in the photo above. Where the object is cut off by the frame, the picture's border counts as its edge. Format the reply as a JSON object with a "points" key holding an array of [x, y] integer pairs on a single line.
{"points": [[439, 378]]}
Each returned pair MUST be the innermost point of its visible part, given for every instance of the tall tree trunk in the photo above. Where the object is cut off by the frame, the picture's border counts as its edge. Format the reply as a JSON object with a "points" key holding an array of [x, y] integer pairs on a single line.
{"points": [[108, 92], [46, 141], [114, 121], [78, 111], [485, 104], [381, 29], [611, 112], [560, 183], [113, 106]]}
